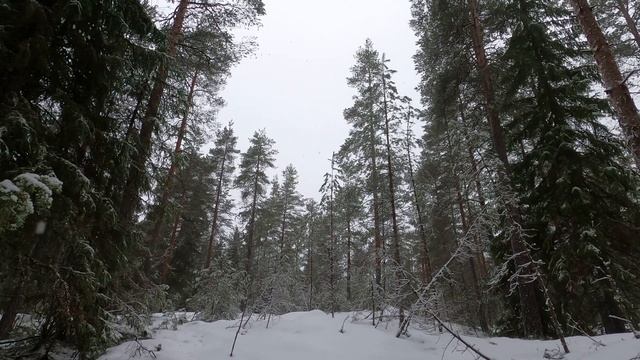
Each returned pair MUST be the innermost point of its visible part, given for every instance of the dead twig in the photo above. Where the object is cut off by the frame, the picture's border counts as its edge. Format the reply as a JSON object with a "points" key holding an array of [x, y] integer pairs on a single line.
{"points": [[141, 349]]}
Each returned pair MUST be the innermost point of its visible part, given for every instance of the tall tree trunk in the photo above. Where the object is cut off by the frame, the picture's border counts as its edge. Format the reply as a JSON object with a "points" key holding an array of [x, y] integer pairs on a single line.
{"points": [[530, 308], [615, 86], [394, 219], [349, 259], [425, 263], [130, 197], [623, 7], [216, 208], [332, 245], [377, 235], [252, 221], [164, 198]]}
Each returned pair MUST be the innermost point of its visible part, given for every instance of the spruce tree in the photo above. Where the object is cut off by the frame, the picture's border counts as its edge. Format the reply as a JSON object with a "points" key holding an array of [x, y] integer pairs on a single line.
{"points": [[576, 185], [78, 74]]}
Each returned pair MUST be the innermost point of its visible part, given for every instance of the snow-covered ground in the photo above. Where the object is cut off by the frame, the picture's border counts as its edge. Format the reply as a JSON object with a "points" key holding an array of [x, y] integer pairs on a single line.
{"points": [[314, 335]]}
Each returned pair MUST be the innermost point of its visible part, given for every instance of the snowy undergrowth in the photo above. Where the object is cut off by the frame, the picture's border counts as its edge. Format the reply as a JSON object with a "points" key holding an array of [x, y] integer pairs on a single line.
{"points": [[314, 335]]}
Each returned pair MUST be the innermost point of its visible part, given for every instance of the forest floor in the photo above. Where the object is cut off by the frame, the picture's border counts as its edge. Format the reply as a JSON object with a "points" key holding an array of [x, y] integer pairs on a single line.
{"points": [[314, 335]]}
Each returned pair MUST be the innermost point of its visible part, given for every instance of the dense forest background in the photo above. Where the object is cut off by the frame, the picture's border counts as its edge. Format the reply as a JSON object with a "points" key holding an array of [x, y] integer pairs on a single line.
{"points": [[514, 210]]}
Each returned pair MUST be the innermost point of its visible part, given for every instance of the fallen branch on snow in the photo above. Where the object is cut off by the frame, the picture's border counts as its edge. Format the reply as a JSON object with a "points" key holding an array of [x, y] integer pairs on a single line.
{"points": [[455, 335]]}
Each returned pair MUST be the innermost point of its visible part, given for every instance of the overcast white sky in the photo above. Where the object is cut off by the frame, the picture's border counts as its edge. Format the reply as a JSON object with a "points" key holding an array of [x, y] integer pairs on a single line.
{"points": [[294, 85]]}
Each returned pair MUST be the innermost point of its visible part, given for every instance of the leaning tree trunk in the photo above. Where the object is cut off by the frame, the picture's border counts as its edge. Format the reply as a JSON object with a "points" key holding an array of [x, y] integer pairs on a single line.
{"points": [[168, 256], [216, 209], [530, 308], [615, 86], [130, 197], [166, 191]]}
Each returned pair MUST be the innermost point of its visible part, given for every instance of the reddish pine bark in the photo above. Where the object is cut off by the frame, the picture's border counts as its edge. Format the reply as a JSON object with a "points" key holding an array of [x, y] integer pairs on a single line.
{"points": [[530, 308], [164, 199], [130, 197], [615, 86]]}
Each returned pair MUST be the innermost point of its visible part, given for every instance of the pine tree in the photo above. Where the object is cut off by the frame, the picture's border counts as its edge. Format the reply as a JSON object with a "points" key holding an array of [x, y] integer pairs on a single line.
{"points": [[364, 141], [223, 155], [389, 97], [167, 186], [453, 136], [290, 203], [234, 14], [283, 209], [143, 148], [252, 181]]}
